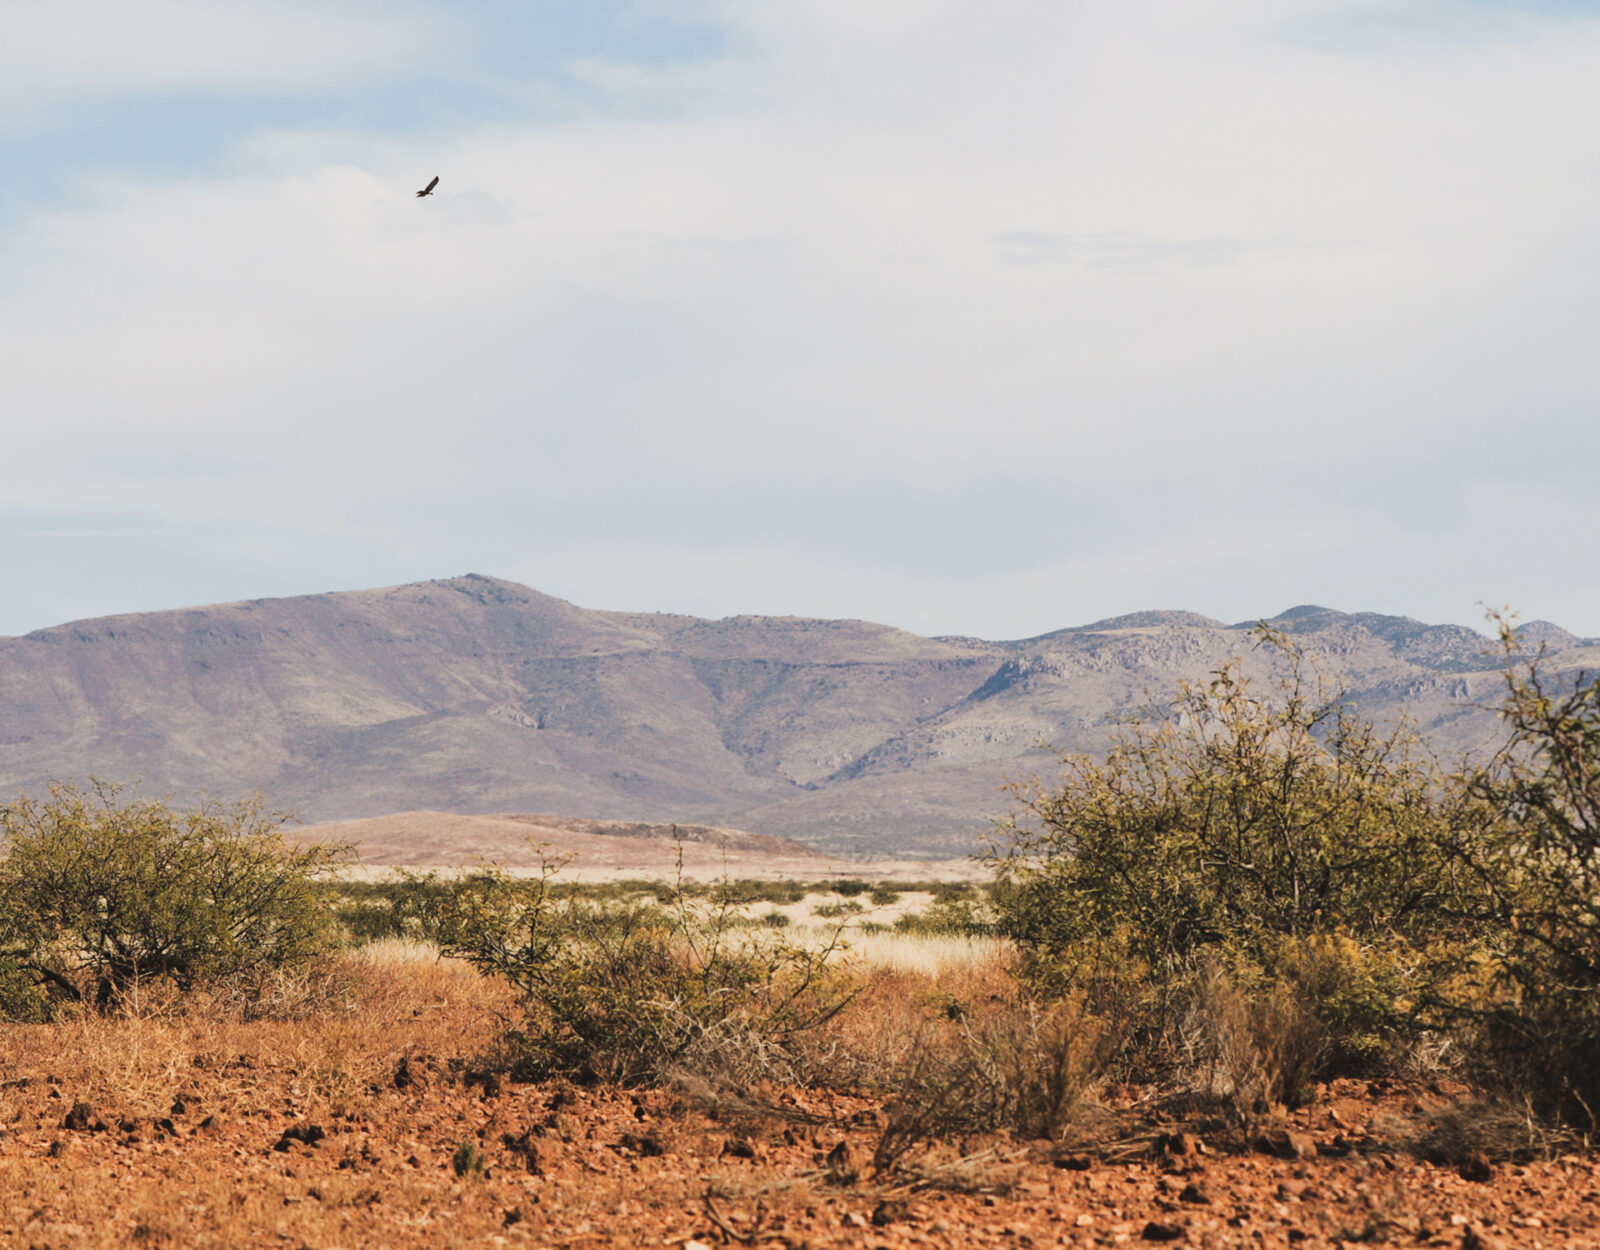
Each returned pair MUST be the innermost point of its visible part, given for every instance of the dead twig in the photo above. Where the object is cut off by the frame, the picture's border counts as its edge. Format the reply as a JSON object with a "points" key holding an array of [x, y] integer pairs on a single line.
{"points": [[746, 1237]]}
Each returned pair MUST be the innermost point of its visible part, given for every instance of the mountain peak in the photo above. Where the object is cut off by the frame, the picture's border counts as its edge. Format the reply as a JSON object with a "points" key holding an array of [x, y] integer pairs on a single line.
{"points": [[1155, 618], [1543, 633]]}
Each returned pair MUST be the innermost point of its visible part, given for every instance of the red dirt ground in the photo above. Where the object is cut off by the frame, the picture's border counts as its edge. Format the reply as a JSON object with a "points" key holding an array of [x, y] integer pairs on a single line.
{"points": [[229, 1166]]}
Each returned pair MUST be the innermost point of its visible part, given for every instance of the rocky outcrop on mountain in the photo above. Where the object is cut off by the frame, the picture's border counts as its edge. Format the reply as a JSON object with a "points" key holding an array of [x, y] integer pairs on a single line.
{"points": [[476, 695]]}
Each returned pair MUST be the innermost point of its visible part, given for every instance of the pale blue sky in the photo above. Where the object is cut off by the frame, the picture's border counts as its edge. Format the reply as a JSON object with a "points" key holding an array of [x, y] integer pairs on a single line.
{"points": [[981, 319]]}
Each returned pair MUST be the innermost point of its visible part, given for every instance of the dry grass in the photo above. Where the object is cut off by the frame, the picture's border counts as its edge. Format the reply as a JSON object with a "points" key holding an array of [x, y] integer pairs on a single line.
{"points": [[941, 957], [244, 1079]]}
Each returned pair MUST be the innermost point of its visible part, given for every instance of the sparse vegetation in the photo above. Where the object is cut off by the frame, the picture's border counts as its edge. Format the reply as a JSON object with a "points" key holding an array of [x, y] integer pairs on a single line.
{"points": [[632, 991]]}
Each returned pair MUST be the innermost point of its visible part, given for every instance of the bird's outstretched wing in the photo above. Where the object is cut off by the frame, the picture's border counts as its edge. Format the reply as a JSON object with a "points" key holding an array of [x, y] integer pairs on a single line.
{"points": [[428, 190]]}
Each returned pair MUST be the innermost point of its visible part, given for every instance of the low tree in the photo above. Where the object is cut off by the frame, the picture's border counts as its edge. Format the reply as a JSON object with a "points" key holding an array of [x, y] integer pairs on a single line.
{"points": [[1535, 882], [1274, 834], [99, 889], [1245, 817]]}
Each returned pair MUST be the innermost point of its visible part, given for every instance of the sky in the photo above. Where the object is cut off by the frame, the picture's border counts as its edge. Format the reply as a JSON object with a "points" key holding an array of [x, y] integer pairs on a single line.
{"points": [[980, 319]]}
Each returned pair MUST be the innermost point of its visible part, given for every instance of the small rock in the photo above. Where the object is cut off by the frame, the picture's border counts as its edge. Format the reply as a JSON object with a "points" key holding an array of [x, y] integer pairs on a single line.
{"points": [[738, 1148], [1073, 1163], [526, 1147], [1476, 1167], [1286, 1144], [1157, 1231], [890, 1211], [838, 1164], [305, 1134], [649, 1145], [1178, 1144], [79, 1119], [853, 1219], [1194, 1194], [406, 1074], [513, 1215]]}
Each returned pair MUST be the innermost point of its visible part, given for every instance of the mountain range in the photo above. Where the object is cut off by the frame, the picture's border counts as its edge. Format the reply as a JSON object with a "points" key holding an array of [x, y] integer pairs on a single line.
{"points": [[477, 695]]}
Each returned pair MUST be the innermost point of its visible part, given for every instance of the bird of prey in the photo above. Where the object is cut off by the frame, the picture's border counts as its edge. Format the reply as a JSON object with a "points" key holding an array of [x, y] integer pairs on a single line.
{"points": [[428, 190]]}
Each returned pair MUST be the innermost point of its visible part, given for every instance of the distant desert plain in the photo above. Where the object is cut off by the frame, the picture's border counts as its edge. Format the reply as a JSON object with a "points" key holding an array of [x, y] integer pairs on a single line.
{"points": [[599, 850]]}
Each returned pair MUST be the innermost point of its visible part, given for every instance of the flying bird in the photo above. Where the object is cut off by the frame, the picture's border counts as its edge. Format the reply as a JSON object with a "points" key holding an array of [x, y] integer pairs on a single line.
{"points": [[428, 190]]}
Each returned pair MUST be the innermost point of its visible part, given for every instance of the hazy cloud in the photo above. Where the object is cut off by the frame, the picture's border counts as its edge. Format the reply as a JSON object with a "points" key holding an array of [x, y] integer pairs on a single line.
{"points": [[972, 321], [56, 49]]}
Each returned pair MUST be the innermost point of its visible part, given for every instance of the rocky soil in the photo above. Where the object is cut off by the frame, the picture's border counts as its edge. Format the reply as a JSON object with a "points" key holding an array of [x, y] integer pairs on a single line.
{"points": [[269, 1147]]}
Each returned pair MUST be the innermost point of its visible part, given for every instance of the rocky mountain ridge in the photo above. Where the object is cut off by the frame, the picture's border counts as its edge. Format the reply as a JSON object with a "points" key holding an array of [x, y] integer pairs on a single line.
{"points": [[477, 695]]}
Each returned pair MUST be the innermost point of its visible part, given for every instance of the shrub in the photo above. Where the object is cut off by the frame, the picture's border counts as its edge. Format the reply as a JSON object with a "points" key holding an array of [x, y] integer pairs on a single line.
{"points": [[469, 1162], [1248, 828], [1534, 872], [1008, 1062], [22, 997], [632, 992], [957, 916], [407, 905], [98, 891]]}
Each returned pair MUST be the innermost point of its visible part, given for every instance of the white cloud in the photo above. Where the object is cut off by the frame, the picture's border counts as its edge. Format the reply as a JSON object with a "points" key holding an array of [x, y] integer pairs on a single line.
{"points": [[55, 49], [1151, 284]]}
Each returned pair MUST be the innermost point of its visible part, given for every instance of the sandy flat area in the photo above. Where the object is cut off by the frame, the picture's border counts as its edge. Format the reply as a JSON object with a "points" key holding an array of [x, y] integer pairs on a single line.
{"points": [[592, 850]]}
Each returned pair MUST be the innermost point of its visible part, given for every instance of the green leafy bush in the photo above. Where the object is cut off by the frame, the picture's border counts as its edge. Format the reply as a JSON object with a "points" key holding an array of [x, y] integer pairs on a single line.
{"points": [[1262, 830], [22, 997], [968, 915], [407, 905], [98, 890], [1534, 885]]}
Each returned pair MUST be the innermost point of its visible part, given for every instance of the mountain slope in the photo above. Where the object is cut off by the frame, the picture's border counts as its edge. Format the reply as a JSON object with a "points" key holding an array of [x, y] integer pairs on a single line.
{"points": [[477, 695]]}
